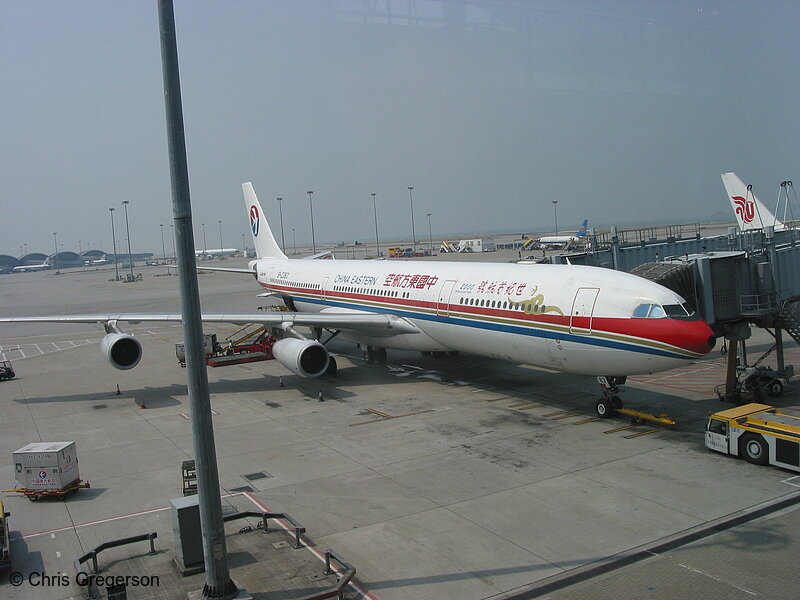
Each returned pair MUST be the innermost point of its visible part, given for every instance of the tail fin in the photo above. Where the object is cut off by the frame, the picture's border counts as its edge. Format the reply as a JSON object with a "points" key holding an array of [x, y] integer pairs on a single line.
{"points": [[582, 230], [750, 211], [265, 244]]}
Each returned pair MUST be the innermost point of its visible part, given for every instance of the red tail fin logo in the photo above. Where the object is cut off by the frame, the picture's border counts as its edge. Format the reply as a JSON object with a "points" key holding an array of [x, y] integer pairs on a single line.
{"points": [[746, 209]]}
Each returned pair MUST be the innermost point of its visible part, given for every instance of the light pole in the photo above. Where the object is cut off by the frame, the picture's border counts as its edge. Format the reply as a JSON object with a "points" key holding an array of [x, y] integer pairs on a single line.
{"points": [[244, 248], [375, 210], [294, 242], [220, 237], [114, 241], [80, 251], [555, 213], [174, 254], [163, 249], [430, 232], [128, 231], [413, 232], [204, 237], [311, 206], [25, 244], [280, 210], [55, 256]]}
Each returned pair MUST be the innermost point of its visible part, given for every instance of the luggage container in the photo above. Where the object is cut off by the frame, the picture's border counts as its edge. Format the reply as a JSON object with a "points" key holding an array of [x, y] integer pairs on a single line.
{"points": [[47, 469]]}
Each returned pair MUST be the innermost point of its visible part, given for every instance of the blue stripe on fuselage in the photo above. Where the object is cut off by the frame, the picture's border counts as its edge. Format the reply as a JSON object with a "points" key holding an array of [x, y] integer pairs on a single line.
{"points": [[517, 329]]}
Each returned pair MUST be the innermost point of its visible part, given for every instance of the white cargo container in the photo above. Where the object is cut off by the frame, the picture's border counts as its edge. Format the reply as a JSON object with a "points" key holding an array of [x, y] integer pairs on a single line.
{"points": [[46, 466]]}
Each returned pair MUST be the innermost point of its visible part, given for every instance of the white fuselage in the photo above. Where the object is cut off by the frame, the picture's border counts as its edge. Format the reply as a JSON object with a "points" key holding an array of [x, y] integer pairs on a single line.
{"points": [[570, 318]]}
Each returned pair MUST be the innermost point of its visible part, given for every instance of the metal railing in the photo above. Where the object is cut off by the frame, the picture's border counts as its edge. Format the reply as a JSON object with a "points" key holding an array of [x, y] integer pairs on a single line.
{"points": [[91, 587], [345, 573], [264, 525]]}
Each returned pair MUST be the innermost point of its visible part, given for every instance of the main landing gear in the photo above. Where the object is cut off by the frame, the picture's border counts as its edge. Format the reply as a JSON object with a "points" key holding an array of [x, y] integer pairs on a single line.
{"points": [[610, 404], [375, 356]]}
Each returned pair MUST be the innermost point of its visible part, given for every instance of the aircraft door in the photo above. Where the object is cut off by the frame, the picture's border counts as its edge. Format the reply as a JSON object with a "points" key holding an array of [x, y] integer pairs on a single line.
{"points": [[324, 290], [580, 319], [443, 302]]}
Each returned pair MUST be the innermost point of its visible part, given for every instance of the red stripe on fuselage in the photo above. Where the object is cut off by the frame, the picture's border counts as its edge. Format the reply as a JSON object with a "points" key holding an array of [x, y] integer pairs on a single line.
{"points": [[691, 335]]}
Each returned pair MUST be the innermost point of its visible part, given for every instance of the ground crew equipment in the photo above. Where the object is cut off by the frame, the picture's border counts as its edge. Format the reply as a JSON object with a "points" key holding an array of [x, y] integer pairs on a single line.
{"points": [[762, 434]]}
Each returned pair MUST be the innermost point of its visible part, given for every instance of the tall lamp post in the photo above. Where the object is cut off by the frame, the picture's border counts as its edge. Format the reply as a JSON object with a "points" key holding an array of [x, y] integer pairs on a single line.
{"points": [[55, 256], [25, 245], [375, 211], [244, 249], [294, 242], [204, 237], [163, 248], [413, 232], [280, 210], [174, 254], [114, 241], [430, 232], [128, 231], [311, 206], [220, 237], [555, 214]]}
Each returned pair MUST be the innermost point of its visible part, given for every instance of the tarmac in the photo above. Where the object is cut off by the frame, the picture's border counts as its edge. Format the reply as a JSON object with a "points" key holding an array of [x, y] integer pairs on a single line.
{"points": [[457, 477]]}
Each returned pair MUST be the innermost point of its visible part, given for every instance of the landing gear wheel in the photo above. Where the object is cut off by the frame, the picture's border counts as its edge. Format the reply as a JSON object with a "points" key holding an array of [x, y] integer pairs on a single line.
{"points": [[616, 401], [332, 367], [754, 449], [605, 408], [375, 356], [33, 497], [775, 387]]}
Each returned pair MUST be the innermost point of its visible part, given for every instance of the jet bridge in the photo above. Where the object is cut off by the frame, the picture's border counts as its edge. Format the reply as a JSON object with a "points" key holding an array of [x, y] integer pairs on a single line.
{"points": [[734, 281]]}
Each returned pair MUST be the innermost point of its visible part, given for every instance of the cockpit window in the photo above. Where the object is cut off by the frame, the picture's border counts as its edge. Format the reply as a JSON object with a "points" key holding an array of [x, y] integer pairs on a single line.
{"points": [[656, 311], [677, 310]]}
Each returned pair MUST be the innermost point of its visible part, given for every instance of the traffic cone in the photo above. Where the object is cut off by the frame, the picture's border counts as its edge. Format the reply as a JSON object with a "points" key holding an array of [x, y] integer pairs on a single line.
{"points": [[280, 381], [142, 404], [320, 398], [118, 392]]}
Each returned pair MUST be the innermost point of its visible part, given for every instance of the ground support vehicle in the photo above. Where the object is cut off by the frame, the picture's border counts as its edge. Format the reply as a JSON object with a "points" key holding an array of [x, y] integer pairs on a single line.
{"points": [[6, 370], [761, 434], [5, 544]]}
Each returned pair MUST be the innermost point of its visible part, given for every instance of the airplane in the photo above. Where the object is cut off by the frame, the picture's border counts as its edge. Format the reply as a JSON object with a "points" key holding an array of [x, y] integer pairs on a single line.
{"points": [[750, 211], [31, 268], [561, 240], [569, 318], [217, 252]]}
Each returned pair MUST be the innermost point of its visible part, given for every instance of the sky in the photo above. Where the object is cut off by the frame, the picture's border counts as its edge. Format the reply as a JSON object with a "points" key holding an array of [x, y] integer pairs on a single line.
{"points": [[624, 112]]}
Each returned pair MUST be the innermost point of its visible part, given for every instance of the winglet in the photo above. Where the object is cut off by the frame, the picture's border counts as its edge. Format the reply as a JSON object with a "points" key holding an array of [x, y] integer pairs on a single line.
{"points": [[264, 241], [750, 211]]}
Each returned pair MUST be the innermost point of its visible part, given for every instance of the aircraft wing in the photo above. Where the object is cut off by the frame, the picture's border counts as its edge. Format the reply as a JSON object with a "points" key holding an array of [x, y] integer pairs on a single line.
{"points": [[374, 324], [225, 269]]}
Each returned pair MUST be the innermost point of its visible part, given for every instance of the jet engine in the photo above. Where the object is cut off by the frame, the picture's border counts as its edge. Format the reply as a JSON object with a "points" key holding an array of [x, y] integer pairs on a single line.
{"points": [[306, 358], [122, 350]]}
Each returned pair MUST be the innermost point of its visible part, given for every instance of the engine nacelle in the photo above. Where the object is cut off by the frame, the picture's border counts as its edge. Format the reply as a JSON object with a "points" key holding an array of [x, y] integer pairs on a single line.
{"points": [[306, 358], [122, 350]]}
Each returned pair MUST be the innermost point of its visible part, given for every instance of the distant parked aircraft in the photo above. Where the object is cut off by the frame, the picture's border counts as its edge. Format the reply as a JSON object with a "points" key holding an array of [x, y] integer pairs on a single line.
{"points": [[750, 211], [561, 240]]}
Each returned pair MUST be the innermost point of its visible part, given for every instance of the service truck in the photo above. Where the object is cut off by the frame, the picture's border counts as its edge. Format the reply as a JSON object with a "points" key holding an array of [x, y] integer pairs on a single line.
{"points": [[5, 544], [762, 434]]}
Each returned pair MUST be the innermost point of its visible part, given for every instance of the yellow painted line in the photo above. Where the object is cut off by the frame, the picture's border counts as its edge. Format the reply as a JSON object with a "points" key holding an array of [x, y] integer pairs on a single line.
{"points": [[620, 429], [588, 420], [531, 406], [498, 399], [558, 412], [633, 435], [377, 412], [568, 415], [519, 404]]}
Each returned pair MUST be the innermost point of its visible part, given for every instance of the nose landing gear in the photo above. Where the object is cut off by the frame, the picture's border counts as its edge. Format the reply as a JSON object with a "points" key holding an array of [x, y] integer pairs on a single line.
{"points": [[610, 404]]}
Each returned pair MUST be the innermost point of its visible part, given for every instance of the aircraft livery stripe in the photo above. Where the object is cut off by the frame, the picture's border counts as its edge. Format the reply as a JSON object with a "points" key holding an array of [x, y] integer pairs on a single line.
{"points": [[488, 319]]}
